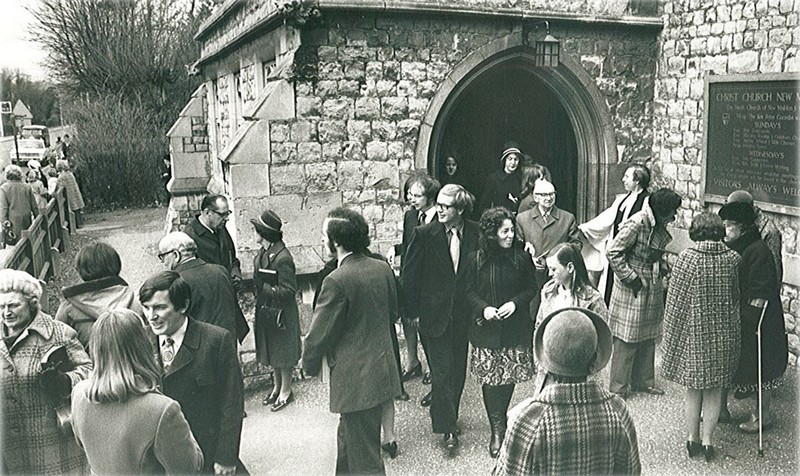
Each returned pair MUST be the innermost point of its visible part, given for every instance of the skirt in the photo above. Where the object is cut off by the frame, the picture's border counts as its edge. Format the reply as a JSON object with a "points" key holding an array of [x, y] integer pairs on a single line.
{"points": [[505, 366]]}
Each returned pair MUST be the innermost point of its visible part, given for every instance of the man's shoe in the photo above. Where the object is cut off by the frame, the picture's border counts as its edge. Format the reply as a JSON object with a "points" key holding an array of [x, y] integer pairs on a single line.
{"points": [[426, 400], [426, 380], [403, 396], [650, 390], [390, 448], [450, 442], [751, 426], [415, 371]]}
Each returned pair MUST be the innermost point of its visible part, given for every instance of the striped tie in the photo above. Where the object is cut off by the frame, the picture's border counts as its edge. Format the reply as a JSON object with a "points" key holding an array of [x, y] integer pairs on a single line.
{"points": [[168, 352]]}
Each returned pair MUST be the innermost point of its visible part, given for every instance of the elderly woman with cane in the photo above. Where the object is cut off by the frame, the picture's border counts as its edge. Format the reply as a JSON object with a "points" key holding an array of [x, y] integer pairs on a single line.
{"points": [[701, 328], [759, 302]]}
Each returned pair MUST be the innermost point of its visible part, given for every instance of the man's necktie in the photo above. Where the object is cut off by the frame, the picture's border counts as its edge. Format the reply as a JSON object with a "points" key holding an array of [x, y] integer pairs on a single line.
{"points": [[421, 218], [455, 248], [168, 352]]}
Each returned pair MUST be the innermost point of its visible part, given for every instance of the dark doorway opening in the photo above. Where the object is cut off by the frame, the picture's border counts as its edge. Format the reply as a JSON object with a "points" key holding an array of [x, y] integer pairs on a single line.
{"points": [[509, 102]]}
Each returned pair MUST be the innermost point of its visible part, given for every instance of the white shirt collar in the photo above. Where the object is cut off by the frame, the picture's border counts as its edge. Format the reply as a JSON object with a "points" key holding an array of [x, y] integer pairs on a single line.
{"points": [[177, 336], [341, 258], [429, 214]]}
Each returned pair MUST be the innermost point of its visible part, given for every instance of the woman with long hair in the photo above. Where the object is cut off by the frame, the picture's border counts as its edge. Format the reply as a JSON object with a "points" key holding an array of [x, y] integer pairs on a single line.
{"points": [[121, 420], [570, 285], [530, 174], [500, 285]]}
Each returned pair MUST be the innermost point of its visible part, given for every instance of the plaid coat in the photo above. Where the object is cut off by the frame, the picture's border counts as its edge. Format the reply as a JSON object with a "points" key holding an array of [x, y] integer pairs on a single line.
{"points": [[33, 443], [637, 250], [701, 318], [577, 428]]}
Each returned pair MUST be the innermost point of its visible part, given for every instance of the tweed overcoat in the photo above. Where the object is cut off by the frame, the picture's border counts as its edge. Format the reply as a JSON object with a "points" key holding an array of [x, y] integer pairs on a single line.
{"points": [[701, 317], [757, 280], [349, 329], [277, 347], [577, 428], [156, 437], [67, 180], [493, 280], [32, 443], [17, 205], [637, 250]]}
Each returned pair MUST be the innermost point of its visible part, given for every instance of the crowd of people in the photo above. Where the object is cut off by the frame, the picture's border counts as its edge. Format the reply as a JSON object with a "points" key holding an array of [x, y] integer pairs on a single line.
{"points": [[24, 193], [534, 295]]}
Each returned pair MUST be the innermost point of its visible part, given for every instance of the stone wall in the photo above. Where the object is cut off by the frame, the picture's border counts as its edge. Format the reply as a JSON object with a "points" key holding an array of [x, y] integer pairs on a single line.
{"points": [[720, 37]]}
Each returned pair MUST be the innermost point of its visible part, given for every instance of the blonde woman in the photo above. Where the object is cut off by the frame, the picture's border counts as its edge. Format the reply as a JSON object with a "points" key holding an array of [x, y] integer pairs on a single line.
{"points": [[121, 420]]}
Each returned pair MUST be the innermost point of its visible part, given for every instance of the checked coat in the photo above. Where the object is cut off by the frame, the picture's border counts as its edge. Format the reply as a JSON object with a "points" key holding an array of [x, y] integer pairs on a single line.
{"points": [[637, 250], [575, 428], [701, 317]]}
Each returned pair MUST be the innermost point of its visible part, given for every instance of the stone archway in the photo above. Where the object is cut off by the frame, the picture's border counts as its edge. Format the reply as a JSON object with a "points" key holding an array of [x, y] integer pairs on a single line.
{"points": [[574, 89]]}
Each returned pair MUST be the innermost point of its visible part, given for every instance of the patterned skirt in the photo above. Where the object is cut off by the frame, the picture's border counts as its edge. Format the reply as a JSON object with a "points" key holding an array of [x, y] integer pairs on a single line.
{"points": [[509, 365]]}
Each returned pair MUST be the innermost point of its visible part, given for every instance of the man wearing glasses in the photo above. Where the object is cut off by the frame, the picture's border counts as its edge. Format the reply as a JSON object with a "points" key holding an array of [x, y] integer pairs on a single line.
{"points": [[434, 280], [214, 243], [544, 226]]}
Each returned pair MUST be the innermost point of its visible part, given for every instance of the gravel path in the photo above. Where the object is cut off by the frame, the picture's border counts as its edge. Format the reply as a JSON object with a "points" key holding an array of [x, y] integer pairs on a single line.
{"points": [[301, 438]]}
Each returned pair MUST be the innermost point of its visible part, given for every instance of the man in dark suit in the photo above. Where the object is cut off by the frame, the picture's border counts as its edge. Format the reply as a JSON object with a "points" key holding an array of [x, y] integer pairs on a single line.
{"points": [[213, 297], [349, 328], [421, 192], [214, 243], [201, 370], [434, 278]]}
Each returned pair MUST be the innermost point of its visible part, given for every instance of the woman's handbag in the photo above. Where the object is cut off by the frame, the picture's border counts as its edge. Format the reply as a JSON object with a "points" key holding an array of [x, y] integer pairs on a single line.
{"points": [[9, 237]]}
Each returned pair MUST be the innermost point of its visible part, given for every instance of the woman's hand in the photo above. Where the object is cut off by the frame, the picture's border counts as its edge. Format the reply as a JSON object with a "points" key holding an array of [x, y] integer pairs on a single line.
{"points": [[55, 382], [506, 310], [490, 313]]}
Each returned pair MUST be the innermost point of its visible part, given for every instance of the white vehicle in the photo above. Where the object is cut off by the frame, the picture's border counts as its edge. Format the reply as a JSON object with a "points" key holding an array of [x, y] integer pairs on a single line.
{"points": [[29, 149]]}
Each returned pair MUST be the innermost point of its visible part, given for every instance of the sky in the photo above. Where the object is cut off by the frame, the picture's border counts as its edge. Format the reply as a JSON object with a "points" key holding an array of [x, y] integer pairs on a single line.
{"points": [[17, 51]]}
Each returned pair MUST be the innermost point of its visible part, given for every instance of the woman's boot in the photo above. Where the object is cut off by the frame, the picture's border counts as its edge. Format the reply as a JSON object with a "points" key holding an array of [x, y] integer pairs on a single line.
{"points": [[496, 398]]}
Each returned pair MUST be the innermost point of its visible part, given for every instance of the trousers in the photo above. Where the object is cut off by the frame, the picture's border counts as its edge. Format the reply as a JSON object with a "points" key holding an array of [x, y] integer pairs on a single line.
{"points": [[358, 441], [448, 364], [632, 365]]}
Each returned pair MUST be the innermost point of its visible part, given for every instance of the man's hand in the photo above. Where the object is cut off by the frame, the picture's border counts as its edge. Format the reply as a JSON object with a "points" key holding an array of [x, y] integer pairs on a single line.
{"points": [[220, 469], [636, 285], [390, 256], [506, 310], [415, 323]]}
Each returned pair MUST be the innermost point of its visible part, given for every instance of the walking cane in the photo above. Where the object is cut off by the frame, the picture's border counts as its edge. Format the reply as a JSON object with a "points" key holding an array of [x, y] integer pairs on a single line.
{"points": [[760, 415]]}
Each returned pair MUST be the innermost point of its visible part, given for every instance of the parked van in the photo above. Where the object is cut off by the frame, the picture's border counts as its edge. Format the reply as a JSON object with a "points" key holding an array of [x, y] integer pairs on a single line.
{"points": [[37, 132]]}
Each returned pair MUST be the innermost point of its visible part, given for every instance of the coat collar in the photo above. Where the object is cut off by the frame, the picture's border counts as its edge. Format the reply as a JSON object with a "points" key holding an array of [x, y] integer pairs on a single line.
{"points": [[91, 286], [41, 324], [185, 355], [189, 264], [573, 393]]}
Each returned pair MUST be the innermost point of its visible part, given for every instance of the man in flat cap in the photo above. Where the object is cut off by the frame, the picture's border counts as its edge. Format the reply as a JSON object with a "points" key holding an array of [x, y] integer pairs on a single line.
{"points": [[573, 425]]}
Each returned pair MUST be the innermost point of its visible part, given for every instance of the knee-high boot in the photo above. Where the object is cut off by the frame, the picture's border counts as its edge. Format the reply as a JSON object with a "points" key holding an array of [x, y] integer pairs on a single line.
{"points": [[496, 399]]}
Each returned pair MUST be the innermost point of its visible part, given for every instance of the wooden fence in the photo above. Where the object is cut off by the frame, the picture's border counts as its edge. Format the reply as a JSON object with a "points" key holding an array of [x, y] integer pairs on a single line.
{"points": [[38, 250]]}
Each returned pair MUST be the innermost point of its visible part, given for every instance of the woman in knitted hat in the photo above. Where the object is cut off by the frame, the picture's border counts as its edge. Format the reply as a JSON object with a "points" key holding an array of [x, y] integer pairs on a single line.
{"points": [[573, 425], [33, 442], [277, 327], [758, 287], [504, 185]]}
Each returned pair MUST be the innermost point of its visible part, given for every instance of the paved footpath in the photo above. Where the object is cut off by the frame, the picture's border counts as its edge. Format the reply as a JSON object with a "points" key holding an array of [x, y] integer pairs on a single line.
{"points": [[301, 439]]}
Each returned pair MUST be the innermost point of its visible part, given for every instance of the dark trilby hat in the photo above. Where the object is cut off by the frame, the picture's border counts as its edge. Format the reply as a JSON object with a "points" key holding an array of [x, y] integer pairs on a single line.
{"points": [[573, 342], [268, 225], [740, 212]]}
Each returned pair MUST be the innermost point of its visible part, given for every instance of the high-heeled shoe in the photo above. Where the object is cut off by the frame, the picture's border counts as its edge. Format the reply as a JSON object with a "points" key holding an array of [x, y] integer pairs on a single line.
{"points": [[693, 448], [391, 448], [281, 404], [270, 399], [708, 451]]}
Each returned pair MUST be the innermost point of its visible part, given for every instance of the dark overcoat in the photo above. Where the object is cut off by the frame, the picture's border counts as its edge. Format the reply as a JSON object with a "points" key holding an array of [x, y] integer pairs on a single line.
{"points": [[349, 329], [410, 221], [217, 248], [277, 347], [214, 299], [433, 292], [493, 280], [701, 317], [206, 380], [757, 280]]}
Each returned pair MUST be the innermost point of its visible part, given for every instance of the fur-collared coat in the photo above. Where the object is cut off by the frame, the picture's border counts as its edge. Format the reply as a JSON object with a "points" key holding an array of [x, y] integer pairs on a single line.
{"points": [[32, 443], [637, 251], [701, 318]]}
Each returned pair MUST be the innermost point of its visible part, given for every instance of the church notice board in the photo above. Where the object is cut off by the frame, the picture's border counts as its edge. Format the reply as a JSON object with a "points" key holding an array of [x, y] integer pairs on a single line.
{"points": [[751, 133]]}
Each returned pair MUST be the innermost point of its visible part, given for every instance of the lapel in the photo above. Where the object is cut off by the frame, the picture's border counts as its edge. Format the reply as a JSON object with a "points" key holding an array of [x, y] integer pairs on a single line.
{"points": [[273, 251], [185, 355], [552, 217]]}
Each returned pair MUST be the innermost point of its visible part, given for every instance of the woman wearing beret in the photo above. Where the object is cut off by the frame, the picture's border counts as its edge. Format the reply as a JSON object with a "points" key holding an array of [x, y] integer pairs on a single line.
{"points": [[759, 287], [277, 324], [701, 328], [500, 285]]}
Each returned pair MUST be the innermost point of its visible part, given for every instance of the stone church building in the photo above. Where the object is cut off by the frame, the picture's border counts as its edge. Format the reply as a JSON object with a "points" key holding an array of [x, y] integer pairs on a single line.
{"points": [[307, 106]]}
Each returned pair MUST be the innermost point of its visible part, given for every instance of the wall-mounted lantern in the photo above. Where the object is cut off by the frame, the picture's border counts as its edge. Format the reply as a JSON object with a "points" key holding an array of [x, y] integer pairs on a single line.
{"points": [[546, 50]]}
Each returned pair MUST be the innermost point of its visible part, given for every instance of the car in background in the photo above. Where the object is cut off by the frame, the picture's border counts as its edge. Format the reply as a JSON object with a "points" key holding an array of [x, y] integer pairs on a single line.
{"points": [[29, 149], [36, 132]]}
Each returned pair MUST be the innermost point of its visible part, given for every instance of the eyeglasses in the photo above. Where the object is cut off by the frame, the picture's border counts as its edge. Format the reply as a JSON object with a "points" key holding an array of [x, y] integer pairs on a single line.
{"points": [[546, 195], [444, 206], [222, 214], [163, 255]]}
